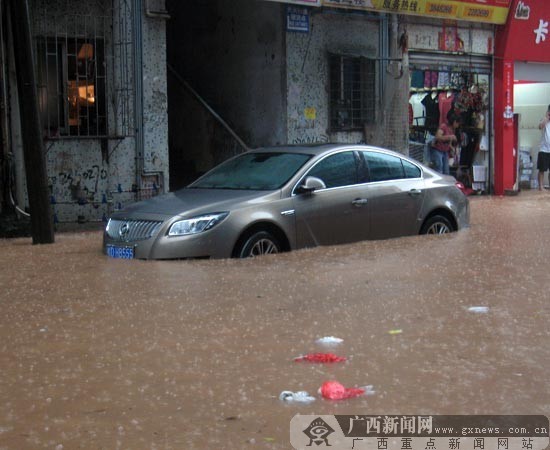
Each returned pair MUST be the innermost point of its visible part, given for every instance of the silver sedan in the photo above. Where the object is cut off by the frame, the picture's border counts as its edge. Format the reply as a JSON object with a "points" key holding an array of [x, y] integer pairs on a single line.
{"points": [[285, 198]]}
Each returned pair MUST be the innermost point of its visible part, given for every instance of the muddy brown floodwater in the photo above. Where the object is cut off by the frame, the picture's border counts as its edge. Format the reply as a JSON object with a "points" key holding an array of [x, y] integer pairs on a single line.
{"points": [[99, 353]]}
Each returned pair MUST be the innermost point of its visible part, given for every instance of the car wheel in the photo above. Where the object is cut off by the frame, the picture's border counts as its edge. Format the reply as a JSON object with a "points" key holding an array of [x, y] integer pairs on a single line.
{"points": [[437, 225], [259, 243]]}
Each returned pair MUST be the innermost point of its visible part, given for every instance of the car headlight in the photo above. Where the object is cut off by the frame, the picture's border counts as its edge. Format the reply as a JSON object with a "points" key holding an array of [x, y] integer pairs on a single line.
{"points": [[197, 224]]}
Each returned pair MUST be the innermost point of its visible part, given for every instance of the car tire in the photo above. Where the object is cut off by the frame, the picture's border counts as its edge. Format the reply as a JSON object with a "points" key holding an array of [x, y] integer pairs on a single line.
{"points": [[437, 225], [259, 243]]}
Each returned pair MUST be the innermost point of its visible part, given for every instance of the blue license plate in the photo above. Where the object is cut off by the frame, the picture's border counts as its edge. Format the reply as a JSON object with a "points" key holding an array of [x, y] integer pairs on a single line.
{"points": [[120, 252]]}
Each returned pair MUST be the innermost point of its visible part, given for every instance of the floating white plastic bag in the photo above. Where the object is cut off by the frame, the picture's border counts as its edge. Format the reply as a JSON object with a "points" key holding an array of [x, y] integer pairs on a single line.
{"points": [[329, 340], [297, 397], [479, 309]]}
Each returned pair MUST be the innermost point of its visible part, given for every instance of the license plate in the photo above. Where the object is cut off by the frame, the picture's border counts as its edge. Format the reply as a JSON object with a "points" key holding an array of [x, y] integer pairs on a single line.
{"points": [[120, 252]]}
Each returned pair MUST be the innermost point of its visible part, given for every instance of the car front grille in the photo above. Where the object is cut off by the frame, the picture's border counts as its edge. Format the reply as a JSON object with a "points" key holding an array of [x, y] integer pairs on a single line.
{"points": [[132, 230]]}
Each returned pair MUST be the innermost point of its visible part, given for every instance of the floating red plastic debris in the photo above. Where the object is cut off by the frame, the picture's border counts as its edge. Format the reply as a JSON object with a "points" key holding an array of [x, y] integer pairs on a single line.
{"points": [[320, 358], [333, 390]]}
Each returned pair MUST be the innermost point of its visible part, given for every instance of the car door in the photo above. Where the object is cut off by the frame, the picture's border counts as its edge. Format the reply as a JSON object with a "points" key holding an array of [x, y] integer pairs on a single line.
{"points": [[395, 195], [337, 214]]}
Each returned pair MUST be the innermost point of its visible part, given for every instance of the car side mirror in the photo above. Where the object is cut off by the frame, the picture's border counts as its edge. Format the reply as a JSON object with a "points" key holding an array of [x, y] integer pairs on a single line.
{"points": [[311, 184]]}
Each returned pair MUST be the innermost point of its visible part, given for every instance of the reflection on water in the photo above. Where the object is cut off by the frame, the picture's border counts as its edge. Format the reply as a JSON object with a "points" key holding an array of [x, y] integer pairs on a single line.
{"points": [[101, 353]]}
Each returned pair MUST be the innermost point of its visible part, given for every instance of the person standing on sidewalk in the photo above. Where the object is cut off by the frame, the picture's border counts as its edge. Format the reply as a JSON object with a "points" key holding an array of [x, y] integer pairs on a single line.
{"points": [[543, 158], [443, 143]]}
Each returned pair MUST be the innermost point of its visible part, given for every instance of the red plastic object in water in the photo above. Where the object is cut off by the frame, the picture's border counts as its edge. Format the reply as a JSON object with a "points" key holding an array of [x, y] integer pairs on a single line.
{"points": [[320, 358], [333, 390]]}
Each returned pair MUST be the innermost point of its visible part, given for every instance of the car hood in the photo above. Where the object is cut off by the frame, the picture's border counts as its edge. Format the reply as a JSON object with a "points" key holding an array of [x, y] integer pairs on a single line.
{"points": [[189, 202]]}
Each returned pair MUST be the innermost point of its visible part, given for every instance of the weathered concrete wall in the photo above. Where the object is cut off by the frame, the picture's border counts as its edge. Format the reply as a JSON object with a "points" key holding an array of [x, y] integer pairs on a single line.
{"points": [[308, 83], [90, 177], [155, 106], [78, 173]]}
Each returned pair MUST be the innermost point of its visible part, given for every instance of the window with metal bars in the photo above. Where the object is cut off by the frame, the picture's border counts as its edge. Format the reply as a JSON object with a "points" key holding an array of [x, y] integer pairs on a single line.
{"points": [[72, 86], [352, 92]]}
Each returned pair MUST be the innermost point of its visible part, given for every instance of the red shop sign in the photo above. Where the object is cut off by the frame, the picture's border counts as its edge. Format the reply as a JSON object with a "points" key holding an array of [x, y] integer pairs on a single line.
{"points": [[527, 32]]}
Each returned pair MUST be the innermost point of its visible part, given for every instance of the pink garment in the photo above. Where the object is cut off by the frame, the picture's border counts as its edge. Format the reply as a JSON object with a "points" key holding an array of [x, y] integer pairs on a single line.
{"points": [[445, 105], [443, 146], [430, 79]]}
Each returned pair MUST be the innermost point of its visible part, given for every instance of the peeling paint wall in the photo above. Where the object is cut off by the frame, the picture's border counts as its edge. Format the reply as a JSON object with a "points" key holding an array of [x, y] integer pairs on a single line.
{"points": [[91, 177], [307, 79], [155, 106]]}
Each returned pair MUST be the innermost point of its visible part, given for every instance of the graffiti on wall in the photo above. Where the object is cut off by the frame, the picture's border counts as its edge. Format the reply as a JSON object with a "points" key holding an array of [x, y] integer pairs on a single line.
{"points": [[77, 185], [320, 139]]}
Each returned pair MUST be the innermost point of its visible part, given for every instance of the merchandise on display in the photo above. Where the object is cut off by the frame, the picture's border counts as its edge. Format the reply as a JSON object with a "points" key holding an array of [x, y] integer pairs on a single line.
{"points": [[434, 94]]}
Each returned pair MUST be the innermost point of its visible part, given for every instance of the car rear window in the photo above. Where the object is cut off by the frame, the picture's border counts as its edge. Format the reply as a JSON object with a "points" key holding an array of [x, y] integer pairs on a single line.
{"points": [[253, 171], [411, 171], [384, 167]]}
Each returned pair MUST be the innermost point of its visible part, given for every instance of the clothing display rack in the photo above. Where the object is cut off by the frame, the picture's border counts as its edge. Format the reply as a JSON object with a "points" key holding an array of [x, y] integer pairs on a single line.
{"points": [[434, 94]]}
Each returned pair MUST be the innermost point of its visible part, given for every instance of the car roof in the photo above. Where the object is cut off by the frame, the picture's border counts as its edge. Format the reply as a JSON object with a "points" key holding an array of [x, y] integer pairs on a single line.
{"points": [[324, 149], [319, 149]]}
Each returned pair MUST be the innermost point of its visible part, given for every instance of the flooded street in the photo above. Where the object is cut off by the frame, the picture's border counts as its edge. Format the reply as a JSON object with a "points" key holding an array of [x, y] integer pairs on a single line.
{"points": [[99, 353]]}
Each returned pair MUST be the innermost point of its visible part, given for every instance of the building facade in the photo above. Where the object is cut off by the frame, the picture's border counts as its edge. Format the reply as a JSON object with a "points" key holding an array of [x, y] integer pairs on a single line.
{"points": [[100, 69], [278, 73], [522, 68], [310, 71], [138, 97]]}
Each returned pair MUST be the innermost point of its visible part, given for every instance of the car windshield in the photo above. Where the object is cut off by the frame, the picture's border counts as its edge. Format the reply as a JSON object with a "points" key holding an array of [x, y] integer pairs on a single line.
{"points": [[253, 171]]}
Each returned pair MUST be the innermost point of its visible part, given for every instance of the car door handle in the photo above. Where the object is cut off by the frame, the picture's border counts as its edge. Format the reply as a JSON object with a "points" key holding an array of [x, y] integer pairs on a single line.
{"points": [[359, 202], [415, 192]]}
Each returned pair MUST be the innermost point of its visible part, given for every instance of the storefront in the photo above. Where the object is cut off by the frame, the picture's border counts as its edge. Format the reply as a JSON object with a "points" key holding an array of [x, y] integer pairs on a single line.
{"points": [[522, 93], [441, 84], [450, 61]]}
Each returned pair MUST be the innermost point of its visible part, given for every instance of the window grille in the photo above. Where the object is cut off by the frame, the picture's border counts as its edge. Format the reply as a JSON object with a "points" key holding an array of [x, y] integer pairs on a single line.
{"points": [[352, 92], [71, 86], [83, 53]]}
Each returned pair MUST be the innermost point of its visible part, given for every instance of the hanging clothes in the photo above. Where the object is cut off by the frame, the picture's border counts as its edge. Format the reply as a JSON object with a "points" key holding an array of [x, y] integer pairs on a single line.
{"points": [[443, 80], [430, 79], [431, 104], [417, 79], [445, 100], [419, 111], [468, 150]]}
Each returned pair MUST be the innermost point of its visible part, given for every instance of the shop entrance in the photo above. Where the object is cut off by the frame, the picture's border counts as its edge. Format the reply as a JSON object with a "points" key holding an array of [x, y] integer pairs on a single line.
{"points": [[531, 100], [441, 84]]}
